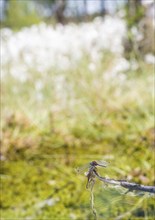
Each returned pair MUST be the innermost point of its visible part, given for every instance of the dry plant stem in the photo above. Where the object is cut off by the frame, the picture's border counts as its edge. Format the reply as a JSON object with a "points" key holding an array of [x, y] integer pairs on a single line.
{"points": [[90, 185], [92, 204], [126, 184]]}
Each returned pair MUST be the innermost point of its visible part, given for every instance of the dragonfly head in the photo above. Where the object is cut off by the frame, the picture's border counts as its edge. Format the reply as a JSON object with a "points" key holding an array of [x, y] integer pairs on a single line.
{"points": [[95, 164]]}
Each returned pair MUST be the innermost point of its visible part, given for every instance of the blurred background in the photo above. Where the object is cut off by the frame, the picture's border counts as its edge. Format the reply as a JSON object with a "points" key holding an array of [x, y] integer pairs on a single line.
{"points": [[76, 85]]}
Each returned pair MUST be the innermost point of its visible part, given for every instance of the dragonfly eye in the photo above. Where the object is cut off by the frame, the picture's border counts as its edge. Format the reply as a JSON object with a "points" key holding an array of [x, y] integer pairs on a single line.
{"points": [[93, 163]]}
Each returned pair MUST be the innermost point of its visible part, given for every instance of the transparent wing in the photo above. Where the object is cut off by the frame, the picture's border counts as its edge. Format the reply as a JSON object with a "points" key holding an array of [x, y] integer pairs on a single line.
{"points": [[103, 163], [82, 169]]}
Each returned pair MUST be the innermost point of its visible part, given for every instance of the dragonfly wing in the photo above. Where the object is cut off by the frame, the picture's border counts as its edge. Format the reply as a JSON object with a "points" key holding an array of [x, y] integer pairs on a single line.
{"points": [[82, 169], [103, 163]]}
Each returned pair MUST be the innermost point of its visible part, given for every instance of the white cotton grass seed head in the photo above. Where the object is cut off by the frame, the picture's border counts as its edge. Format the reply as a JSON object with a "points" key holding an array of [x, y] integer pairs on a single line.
{"points": [[65, 44], [149, 58], [39, 85]]}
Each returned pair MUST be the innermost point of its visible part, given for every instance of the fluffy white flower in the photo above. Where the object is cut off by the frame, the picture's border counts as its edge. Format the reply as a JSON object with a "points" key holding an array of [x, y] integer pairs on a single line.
{"points": [[150, 58], [42, 47]]}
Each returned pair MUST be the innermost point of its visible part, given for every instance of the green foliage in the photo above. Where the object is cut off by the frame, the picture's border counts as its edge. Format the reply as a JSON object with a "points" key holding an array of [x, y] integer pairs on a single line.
{"points": [[138, 13], [20, 14], [135, 12], [131, 21], [49, 2]]}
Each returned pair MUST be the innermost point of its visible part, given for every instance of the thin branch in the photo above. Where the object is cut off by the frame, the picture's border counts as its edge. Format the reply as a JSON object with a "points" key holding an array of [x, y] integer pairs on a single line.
{"points": [[126, 184]]}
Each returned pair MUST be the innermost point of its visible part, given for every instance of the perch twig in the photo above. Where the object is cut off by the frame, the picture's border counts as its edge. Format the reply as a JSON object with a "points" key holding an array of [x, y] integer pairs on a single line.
{"points": [[128, 185]]}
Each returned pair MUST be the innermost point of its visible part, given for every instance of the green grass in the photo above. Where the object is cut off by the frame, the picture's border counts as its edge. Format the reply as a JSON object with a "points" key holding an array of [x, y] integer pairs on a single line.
{"points": [[78, 117]]}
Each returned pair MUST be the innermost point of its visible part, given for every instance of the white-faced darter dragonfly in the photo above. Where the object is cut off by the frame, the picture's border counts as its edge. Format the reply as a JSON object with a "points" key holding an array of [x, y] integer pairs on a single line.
{"points": [[90, 168]]}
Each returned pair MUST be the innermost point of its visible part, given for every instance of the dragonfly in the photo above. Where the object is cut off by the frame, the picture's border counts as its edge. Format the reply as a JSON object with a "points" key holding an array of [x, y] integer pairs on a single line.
{"points": [[91, 168], [104, 198], [94, 164]]}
